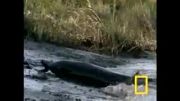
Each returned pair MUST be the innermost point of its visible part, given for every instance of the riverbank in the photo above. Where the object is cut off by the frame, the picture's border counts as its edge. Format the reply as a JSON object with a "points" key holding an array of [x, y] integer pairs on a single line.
{"points": [[55, 89], [112, 28]]}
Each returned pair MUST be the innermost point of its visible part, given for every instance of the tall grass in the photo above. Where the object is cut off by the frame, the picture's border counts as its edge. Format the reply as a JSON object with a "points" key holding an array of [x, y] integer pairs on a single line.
{"points": [[108, 26]]}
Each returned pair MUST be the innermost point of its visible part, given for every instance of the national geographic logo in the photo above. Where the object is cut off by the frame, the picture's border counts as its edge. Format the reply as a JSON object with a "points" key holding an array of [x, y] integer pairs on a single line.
{"points": [[146, 90]]}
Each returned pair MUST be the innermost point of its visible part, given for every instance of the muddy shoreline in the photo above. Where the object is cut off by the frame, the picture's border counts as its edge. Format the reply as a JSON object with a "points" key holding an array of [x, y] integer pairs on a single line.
{"points": [[56, 89]]}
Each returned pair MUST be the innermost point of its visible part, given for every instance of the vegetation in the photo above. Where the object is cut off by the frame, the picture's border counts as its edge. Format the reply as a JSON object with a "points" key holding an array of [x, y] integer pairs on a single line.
{"points": [[106, 26]]}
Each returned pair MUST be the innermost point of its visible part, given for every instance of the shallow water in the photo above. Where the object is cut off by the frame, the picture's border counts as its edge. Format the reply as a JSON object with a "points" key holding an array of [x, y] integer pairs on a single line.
{"points": [[56, 89]]}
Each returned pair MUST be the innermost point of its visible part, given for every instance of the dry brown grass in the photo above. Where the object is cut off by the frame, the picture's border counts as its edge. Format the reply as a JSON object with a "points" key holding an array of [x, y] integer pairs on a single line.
{"points": [[130, 28]]}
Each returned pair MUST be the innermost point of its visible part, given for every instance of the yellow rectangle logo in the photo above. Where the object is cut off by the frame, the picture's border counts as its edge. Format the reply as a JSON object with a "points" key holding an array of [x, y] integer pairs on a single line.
{"points": [[136, 85]]}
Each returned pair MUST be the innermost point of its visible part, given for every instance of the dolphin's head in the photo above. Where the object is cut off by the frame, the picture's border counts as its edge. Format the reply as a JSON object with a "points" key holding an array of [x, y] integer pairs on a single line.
{"points": [[46, 65]]}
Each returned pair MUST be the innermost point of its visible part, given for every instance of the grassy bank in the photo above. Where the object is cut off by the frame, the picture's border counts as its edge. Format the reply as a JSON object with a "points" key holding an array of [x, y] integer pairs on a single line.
{"points": [[108, 26]]}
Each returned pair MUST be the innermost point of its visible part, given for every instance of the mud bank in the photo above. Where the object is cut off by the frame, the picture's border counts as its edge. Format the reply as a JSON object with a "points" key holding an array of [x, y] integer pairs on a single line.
{"points": [[56, 89]]}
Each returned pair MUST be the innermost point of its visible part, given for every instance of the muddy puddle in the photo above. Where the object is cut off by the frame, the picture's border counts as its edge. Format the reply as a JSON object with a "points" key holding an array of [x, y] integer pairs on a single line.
{"points": [[52, 88]]}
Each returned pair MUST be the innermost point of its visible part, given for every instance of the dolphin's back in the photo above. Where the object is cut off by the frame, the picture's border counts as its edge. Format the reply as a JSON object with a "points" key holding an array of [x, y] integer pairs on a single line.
{"points": [[87, 70]]}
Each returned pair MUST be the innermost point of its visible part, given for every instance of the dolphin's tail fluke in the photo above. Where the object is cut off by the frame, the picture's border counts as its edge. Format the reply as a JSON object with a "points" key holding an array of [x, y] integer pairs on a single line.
{"points": [[151, 80], [131, 79]]}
